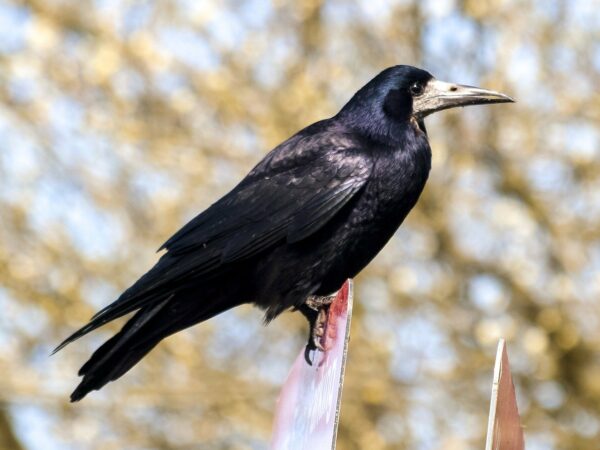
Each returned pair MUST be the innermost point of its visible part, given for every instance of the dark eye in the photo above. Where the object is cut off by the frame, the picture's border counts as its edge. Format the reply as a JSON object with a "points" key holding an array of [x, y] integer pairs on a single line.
{"points": [[416, 88]]}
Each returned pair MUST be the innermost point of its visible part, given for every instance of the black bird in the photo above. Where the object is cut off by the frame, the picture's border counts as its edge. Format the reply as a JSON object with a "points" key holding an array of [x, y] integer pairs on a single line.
{"points": [[312, 213]]}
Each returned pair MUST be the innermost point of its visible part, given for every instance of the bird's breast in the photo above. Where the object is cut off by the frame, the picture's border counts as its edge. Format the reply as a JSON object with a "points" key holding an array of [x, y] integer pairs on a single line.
{"points": [[399, 177], [349, 242], [392, 191]]}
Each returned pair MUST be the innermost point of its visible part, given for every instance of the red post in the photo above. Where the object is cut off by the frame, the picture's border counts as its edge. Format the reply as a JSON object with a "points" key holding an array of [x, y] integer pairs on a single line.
{"points": [[308, 408], [504, 426]]}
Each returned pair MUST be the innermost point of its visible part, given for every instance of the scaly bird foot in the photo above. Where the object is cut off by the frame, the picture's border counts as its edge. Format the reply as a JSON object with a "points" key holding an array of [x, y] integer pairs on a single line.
{"points": [[316, 310], [316, 302]]}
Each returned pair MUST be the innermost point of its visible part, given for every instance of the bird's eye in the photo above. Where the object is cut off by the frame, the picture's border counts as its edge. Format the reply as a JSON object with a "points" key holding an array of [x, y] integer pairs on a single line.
{"points": [[416, 88]]}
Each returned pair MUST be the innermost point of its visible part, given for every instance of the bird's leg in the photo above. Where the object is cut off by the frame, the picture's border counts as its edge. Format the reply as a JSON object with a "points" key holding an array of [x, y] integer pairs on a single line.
{"points": [[316, 310], [317, 302]]}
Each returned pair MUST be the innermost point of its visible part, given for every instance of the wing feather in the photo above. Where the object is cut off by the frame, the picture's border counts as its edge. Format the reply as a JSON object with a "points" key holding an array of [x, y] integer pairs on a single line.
{"points": [[286, 198], [320, 210]]}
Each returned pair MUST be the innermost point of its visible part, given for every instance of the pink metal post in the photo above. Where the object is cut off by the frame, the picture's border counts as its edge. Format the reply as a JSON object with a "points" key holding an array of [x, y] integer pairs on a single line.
{"points": [[308, 408], [504, 427]]}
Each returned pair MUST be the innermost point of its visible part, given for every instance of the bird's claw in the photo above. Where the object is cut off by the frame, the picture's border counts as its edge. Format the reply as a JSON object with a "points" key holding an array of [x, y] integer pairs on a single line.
{"points": [[317, 331], [316, 310]]}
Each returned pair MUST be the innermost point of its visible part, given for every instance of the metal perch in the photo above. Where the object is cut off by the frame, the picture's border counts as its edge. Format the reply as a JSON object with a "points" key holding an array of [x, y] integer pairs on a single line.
{"points": [[308, 409]]}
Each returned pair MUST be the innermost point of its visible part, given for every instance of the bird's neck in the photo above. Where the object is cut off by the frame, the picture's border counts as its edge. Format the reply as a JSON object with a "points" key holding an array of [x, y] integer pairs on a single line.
{"points": [[381, 130], [402, 169]]}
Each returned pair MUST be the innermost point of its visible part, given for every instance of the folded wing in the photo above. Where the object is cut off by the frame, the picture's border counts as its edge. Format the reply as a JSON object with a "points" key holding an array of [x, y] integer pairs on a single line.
{"points": [[283, 200]]}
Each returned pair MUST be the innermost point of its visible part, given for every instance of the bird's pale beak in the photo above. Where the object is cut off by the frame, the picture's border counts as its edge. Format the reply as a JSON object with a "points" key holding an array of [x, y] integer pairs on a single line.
{"points": [[439, 95]]}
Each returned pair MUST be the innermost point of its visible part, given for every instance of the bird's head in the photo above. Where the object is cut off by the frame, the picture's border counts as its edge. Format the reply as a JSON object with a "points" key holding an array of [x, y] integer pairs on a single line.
{"points": [[401, 93]]}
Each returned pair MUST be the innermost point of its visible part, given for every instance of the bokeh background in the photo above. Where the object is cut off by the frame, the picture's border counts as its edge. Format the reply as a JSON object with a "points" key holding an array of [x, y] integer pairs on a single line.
{"points": [[121, 119]]}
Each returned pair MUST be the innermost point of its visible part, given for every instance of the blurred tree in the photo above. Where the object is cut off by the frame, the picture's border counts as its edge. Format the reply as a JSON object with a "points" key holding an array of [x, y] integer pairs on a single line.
{"points": [[120, 120]]}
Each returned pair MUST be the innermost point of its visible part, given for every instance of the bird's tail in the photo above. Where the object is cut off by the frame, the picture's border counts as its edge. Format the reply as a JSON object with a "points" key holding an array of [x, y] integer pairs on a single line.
{"points": [[140, 334]]}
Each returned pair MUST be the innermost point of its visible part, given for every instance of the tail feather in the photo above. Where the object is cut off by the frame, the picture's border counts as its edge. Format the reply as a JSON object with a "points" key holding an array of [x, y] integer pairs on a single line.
{"points": [[110, 313], [141, 334], [123, 337], [151, 289], [119, 354], [95, 380]]}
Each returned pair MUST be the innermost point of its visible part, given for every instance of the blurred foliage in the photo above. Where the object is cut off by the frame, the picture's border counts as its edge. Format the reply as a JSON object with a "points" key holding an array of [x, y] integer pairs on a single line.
{"points": [[121, 119]]}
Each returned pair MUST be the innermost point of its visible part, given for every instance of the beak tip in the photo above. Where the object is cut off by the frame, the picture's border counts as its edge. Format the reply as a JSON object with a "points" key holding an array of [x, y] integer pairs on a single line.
{"points": [[503, 98]]}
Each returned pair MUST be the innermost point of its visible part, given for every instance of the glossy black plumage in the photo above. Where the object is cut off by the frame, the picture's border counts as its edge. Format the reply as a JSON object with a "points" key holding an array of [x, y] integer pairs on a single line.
{"points": [[311, 214]]}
